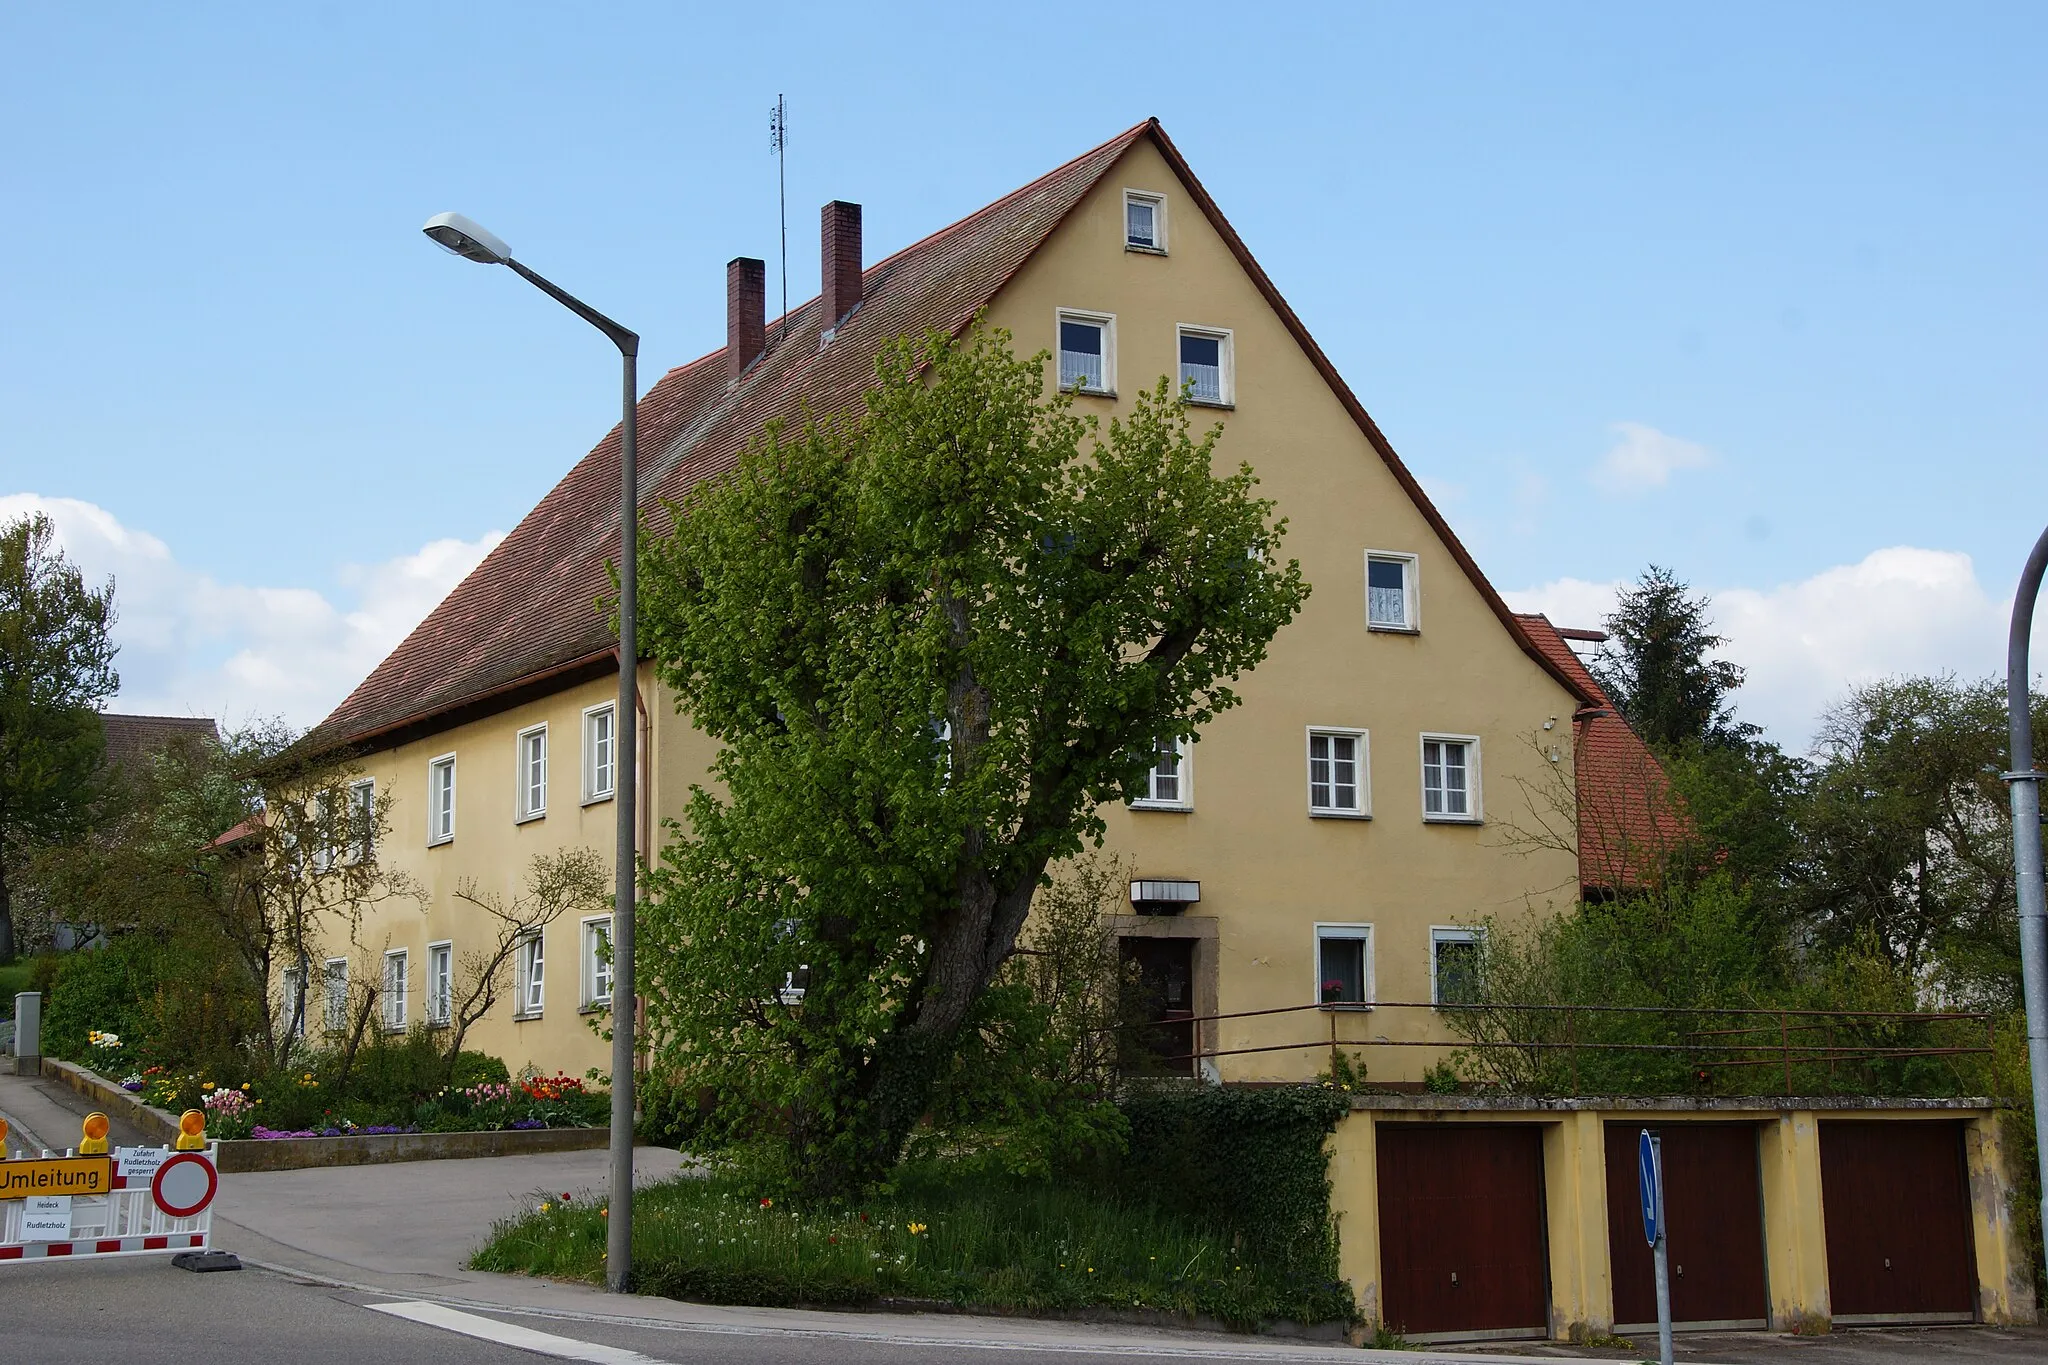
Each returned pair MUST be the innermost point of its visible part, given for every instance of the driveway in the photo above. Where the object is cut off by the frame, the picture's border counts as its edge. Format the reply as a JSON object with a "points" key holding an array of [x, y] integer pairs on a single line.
{"points": [[409, 1224]]}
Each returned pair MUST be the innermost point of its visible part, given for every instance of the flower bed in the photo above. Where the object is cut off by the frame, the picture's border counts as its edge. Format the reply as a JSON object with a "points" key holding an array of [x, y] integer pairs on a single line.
{"points": [[359, 1147], [290, 1106]]}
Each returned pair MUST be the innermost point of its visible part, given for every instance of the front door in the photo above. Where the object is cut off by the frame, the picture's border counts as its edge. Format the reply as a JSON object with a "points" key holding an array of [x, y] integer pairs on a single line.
{"points": [[1159, 1005]]}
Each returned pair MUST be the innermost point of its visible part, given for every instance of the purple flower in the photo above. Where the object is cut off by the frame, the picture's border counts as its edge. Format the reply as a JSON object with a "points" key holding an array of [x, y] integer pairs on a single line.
{"points": [[131, 1085], [524, 1124]]}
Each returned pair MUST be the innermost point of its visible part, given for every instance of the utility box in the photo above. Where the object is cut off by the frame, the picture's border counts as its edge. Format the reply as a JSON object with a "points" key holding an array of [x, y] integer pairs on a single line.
{"points": [[28, 1033]]}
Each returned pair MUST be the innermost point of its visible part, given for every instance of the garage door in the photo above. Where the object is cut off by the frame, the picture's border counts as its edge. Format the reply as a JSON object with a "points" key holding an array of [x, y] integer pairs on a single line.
{"points": [[1897, 1205], [1461, 1230], [1713, 1203]]}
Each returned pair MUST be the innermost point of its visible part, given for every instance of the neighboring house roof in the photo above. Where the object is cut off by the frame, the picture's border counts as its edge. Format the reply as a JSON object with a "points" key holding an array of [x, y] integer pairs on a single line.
{"points": [[1628, 816], [526, 618], [133, 739]]}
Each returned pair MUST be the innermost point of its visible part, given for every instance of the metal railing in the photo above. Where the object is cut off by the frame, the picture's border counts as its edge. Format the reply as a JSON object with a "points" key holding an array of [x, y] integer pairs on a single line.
{"points": [[1782, 1038]]}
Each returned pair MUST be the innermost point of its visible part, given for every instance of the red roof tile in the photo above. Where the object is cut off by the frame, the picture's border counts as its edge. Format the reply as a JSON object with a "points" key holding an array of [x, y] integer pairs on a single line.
{"points": [[528, 611], [133, 740], [1629, 819]]}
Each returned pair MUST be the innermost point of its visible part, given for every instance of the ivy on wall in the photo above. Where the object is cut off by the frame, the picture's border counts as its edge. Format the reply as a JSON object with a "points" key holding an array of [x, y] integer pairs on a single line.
{"points": [[1253, 1159]]}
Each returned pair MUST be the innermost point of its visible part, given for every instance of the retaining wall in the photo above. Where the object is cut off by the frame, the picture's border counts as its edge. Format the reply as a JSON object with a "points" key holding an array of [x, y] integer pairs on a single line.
{"points": [[290, 1154]]}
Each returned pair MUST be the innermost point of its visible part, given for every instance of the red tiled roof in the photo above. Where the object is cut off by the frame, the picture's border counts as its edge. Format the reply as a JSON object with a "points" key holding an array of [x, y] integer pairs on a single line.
{"points": [[133, 739], [1629, 819], [528, 613]]}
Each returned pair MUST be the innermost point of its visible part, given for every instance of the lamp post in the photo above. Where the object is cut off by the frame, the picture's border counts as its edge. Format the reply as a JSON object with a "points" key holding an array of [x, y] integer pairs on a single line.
{"points": [[459, 235], [2025, 787]]}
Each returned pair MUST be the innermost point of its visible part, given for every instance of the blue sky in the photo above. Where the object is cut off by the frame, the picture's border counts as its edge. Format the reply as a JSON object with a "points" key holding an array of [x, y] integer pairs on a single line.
{"points": [[1755, 291]]}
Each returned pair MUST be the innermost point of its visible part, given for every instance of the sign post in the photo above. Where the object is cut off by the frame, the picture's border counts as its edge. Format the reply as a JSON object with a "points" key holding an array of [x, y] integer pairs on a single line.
{"points": [[1650, 1183]]}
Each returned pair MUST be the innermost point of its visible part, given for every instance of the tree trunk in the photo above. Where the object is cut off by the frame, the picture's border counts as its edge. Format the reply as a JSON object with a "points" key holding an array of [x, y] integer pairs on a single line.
{"points": [[6, 918], [864, 1135]]}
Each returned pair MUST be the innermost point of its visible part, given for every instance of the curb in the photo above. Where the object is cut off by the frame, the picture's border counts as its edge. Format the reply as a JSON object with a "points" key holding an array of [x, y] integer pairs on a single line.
{"points": [[248, 1155]]}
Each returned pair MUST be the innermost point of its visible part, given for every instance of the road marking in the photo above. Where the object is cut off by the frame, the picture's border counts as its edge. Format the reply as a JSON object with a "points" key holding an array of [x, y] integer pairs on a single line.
{"points": [[505, 1334]]}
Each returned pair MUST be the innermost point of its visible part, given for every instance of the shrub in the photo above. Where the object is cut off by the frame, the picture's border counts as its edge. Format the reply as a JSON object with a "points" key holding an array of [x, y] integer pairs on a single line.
{"points": [[106, 990], [1251, 1160], [671, 1115]]}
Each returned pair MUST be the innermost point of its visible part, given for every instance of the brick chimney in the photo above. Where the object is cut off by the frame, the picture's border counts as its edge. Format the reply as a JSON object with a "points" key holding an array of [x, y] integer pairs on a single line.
{"points": [[746, 313], [839, 242]]}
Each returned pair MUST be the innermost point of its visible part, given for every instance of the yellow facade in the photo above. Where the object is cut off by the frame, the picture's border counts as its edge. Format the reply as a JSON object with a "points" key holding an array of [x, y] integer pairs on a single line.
{"points": [[1269, 872]]}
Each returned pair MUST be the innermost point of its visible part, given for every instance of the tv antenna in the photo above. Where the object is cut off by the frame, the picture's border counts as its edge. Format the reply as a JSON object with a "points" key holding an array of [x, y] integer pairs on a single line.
{"points": [[778, 143]]}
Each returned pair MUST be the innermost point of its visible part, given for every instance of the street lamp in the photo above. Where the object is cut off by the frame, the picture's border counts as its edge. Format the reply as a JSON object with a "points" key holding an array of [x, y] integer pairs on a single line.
{"points": [[2025, 786], [458, 235]]}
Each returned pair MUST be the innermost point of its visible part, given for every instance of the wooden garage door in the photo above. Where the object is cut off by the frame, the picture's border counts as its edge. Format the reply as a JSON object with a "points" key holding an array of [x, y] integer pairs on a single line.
{"points": [[1713, 1204], [1461, 1229], [1898, 1220]]}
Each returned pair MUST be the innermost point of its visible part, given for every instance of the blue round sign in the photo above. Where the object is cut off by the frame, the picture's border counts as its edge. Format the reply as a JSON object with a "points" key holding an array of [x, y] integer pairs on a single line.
{"points": [[1650, 1183]]}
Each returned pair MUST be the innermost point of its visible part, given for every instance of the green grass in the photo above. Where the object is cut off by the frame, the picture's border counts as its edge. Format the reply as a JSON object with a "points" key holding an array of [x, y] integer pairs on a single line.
{"points": [[978, 1242]]}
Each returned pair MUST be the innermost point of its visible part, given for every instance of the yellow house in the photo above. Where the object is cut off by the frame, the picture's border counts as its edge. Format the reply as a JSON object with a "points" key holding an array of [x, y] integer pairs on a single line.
{"points": [[1310, 872], [1328, 845]]}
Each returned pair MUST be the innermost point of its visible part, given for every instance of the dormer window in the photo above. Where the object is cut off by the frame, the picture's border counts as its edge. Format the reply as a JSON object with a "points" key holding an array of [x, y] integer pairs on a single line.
{"points": [[1144, 221]]}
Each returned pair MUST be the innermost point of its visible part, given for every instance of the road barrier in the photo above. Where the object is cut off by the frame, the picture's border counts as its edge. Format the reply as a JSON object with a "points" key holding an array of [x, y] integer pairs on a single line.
{"points": [[133, 1201]]}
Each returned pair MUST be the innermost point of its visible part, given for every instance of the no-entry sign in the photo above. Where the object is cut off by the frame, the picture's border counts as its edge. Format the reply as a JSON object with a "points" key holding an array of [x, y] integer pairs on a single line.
{"points": [[184, 1184]]}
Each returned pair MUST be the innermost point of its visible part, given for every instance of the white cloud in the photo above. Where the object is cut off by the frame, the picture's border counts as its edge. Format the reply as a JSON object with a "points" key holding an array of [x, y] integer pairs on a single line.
{"points": [[1645, 458], [192, 645], [1900, 610]]}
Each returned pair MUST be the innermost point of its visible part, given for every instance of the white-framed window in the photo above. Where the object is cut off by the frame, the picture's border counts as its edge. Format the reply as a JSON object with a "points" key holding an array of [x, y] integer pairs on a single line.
{"points": [[600, 752], [1454, 963], [530, 971], [1169, 782], [1338, 773], [334, 994], [326, 838], [441, 799], [440, 982], [289, 1021], [597, 962], [1392, 599], [1087, 351], [396, 963], [1344, 964], [1208, 365], [1450, 777], [362, 819], [530, 772], [1145, 221]]}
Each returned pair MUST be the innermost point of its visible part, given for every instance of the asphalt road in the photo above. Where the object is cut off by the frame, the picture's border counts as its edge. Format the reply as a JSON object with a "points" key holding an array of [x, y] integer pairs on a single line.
{"points": [[144, 1309], [91, 1313]]}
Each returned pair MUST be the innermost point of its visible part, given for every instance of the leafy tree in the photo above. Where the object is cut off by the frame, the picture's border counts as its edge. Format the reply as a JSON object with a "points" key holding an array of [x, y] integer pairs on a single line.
{"points": [[56, 667], [267, 852], [1908, 834], [931, 640], [1655, 666]]}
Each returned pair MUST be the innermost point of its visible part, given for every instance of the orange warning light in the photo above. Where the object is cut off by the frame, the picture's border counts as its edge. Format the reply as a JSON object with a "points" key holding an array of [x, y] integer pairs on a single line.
{"points": [[95, 1141], [191, 1131]]}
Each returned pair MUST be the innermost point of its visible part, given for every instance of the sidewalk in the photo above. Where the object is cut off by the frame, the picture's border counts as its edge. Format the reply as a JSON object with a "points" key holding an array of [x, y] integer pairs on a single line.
{"points": [[44, 1113]]}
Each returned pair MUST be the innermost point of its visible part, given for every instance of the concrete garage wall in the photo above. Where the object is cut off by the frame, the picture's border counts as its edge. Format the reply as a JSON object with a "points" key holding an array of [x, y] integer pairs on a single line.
{"points": [[1575, 1196]]}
